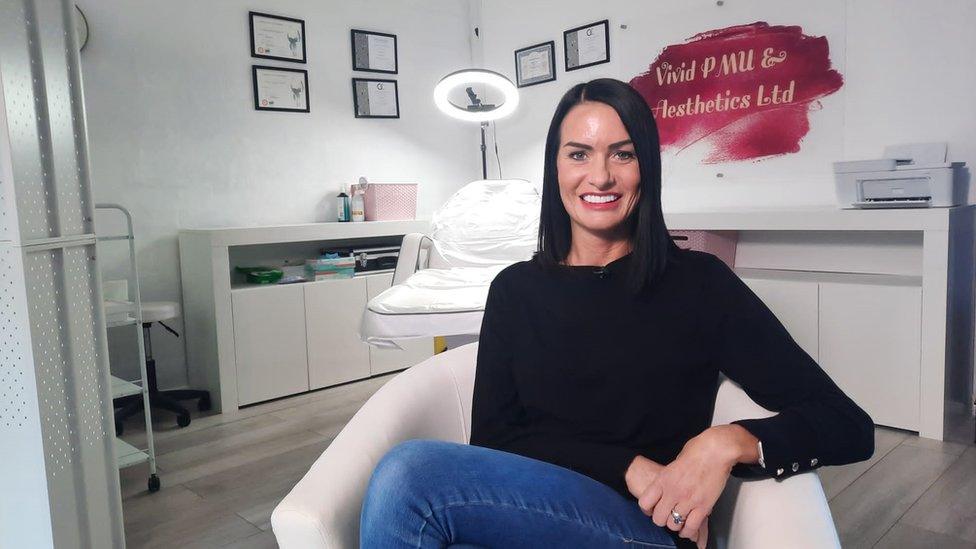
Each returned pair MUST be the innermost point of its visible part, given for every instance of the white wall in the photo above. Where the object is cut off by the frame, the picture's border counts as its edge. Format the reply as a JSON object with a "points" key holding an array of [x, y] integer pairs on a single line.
{"points": [[907, 66], [175, 137]]}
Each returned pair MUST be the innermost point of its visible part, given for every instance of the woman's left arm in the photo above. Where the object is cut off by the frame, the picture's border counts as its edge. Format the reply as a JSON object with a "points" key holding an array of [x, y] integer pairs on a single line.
{"points": [[816, 424]]}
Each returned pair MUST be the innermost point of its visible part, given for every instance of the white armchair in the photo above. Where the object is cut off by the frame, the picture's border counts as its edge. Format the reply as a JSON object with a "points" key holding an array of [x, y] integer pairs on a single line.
{"points": [[432, 400]]}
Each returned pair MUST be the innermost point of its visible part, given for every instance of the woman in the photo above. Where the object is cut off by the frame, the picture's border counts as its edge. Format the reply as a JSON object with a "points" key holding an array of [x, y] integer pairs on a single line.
{"points": [[597, 372]]}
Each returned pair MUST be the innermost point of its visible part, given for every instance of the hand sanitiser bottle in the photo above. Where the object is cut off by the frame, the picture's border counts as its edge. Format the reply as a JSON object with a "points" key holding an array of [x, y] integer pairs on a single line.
{"points": [[358, 205], [342, 202]]}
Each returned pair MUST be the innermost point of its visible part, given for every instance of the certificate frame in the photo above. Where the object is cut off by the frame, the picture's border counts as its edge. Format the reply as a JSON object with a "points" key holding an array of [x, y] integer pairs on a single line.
{"points": [[550, 48], [262, 104], [360, 110], [569, 49], [297, 24], [360, 56]]}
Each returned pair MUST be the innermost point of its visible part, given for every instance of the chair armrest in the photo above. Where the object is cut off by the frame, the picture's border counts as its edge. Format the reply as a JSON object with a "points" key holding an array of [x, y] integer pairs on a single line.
{"points": [[322, 510], [410, 258], [762, 514]]}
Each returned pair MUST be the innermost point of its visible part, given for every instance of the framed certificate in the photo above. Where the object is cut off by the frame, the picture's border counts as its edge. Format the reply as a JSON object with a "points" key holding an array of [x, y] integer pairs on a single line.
{"points": [[374, 98], [374, 51], [276, 37], [587, 45], [535, 64], [278, 89]]}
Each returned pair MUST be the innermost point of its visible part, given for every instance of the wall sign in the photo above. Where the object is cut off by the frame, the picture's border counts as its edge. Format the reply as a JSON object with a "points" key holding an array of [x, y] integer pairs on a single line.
{"points": [[747, 91]]}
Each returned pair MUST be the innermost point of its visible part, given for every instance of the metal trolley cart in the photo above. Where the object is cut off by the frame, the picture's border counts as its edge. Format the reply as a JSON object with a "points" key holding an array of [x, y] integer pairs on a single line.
{"points": [[125, 309]]}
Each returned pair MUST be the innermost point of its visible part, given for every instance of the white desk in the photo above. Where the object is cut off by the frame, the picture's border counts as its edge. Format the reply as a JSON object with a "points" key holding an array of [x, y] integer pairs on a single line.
{"points": [[249, 343], [883, 299]]}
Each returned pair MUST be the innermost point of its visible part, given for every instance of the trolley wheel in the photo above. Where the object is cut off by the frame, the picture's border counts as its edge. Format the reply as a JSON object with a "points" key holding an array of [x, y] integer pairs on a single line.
{"points": [[153, 483], [204, 404], [183, 420]]}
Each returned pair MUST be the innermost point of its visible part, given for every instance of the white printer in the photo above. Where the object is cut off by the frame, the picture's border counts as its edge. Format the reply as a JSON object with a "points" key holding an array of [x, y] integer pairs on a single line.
{"points": [[909, 176]]}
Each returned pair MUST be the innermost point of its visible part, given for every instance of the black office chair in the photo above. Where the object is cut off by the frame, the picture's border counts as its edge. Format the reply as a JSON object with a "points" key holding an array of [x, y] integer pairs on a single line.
{"points": [[127, 406]]}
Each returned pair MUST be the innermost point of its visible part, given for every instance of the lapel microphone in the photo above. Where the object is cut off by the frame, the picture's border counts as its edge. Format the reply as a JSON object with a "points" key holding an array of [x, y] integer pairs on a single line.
{"points": [[602, 272]]}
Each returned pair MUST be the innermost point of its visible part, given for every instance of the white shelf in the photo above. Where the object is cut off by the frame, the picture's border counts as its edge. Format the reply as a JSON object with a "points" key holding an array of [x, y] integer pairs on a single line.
{"points": [[119, 313], [127, 455], [127, 321], [121, 388], [253, 286]]}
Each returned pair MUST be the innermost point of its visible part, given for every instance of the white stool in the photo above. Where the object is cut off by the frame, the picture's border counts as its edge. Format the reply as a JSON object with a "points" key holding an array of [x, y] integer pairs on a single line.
{"points": [[127, 406]]}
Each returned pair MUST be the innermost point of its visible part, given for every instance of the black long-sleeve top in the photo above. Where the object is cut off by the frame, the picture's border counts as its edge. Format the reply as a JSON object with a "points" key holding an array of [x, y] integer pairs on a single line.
{"points": [[576, 370]]}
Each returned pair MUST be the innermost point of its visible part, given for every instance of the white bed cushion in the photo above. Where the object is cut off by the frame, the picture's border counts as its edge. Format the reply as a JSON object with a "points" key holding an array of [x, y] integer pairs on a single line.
{"points": [[443, 302], [383, 330], [455, 289]]}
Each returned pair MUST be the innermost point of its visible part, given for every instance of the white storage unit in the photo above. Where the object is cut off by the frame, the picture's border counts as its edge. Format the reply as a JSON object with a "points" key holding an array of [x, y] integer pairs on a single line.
{"points": [[249, 343], [333, 309], [882, 299], [863, 330], [269, 342], [795, 303], [870, 338]]}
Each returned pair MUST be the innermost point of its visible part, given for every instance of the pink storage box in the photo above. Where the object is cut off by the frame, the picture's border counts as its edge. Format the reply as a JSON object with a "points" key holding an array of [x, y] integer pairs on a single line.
{"points": [[721, 244], [390, 201]]}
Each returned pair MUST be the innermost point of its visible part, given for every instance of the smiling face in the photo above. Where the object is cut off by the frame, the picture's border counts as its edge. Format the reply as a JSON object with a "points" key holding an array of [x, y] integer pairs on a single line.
{"points": [[598, 172]]}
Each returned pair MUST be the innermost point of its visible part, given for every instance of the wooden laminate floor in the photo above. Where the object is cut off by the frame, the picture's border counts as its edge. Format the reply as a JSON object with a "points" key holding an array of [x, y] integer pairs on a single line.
{"points": [[222, 478]]}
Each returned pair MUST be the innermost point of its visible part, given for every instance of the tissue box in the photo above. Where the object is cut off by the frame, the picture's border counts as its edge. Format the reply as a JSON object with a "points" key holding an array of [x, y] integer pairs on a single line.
{"points": [[390, 201], [324, 269], [721, 244]]}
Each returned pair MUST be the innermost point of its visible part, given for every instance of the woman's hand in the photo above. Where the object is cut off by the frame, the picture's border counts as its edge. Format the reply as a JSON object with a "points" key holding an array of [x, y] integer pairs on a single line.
{"points": [[641, 474], [693, 482]]}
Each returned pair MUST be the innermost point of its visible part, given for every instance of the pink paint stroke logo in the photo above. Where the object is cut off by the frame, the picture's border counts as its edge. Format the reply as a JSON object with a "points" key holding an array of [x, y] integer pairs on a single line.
{"points": [[744, 91]]}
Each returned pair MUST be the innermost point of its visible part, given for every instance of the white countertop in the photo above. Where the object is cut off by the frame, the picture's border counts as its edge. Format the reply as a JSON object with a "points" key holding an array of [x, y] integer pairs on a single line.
{"points": [[243, 236], [814, 219], [799, 219]]}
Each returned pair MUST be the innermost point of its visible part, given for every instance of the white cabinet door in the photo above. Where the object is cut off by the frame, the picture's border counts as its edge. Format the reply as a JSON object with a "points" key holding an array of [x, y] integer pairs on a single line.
{"points": [[333, 311], [795, 305], [870, 346], [414, 350], [269, 340]]}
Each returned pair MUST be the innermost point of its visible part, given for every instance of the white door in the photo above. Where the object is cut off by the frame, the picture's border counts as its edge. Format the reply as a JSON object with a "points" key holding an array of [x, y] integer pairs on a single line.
{"points": [[795, 304], [414, 350], [870, 345], [269, 340], [333, 311]]}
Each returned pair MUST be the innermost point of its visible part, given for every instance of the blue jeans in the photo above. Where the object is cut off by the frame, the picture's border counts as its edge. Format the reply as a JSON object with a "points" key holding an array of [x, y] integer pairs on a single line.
{"points": [[428, 493]]}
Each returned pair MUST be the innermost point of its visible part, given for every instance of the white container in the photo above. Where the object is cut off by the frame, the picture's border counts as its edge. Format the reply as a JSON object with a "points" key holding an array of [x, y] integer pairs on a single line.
{"points": [[358, 206]]}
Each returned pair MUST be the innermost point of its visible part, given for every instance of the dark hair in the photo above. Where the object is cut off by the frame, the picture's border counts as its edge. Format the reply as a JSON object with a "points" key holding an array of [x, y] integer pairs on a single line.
{"points": [[652, 245]]}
